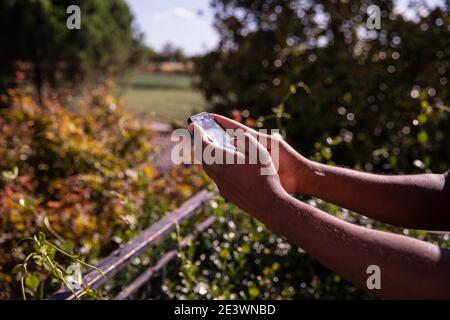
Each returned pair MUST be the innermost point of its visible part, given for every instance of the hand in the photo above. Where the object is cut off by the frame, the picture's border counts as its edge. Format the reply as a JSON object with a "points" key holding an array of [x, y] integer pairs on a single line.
{"points": [[293, 168], [241, 182]]}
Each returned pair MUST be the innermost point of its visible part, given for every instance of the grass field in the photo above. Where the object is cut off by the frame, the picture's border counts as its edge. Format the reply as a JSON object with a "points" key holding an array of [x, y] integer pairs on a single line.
{"points": [[163, 97]]}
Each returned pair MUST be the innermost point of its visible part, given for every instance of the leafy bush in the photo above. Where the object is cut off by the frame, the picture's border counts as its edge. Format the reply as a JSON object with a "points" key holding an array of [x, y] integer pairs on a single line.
{"points": [[84, 176], [239, 258]]}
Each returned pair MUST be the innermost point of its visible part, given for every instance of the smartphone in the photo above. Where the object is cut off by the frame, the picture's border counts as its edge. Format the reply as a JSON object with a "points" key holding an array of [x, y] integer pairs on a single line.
{"points": [[213, 130]]}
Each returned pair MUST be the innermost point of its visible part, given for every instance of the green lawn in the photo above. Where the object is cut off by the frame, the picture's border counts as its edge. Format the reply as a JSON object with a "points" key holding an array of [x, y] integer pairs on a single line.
{"points": [[164, 97]]}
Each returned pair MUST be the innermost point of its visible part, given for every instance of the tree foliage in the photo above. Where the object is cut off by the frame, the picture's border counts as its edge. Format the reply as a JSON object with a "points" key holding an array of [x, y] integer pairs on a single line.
{"points": [[374, 99], [35, 32], [169, 52]]}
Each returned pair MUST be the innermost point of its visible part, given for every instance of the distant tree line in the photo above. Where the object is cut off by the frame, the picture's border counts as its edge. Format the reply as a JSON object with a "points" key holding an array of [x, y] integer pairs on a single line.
{"points": [[168, 53]]}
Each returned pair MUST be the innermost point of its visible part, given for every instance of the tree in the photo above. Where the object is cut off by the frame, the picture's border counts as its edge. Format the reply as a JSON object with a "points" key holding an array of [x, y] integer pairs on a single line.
{"points": [[168, 53], [35, 32], [375, 99], [172, 53]]}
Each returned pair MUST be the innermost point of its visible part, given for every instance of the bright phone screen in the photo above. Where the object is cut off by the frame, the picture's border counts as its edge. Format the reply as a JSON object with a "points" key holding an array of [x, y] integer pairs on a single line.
{"points": [[213, 130]]}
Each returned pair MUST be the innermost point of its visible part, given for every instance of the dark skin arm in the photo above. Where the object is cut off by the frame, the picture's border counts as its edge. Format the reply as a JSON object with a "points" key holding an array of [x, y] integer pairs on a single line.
{"points": [[410, 268], [413, 201]]}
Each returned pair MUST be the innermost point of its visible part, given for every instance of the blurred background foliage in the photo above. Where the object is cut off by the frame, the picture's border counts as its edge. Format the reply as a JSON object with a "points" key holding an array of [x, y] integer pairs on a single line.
{"points": [[88, 173], [34, 33], [73, 158], [377, 99]]}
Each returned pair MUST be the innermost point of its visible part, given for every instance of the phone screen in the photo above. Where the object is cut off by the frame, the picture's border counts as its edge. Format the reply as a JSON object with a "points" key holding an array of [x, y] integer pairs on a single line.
{"points": [[213, 130]]}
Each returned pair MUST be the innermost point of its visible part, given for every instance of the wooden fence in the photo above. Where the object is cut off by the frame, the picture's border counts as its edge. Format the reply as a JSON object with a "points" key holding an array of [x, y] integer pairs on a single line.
{"points": [[122, 257]]}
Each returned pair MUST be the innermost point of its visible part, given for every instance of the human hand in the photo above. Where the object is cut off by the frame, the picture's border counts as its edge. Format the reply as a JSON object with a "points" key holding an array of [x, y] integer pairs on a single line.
{"points": [[293, 169], [242, 182]]}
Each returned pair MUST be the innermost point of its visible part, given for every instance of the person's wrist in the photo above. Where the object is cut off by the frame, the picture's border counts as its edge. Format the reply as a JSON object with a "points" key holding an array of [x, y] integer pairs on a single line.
{"points": [[306, 177]]}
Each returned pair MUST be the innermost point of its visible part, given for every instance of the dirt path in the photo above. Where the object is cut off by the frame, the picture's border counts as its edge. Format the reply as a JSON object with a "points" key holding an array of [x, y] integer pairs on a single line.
{"points": [[163, 146]]}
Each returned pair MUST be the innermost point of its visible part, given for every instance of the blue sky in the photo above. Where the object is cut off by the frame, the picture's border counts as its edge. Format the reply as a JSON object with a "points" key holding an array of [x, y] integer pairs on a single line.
{"points": [[178, 22]]}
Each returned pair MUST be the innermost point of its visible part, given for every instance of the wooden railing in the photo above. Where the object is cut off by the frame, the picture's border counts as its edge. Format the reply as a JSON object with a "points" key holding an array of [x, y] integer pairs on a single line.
{"points": [[148, 274], [121, 257]]}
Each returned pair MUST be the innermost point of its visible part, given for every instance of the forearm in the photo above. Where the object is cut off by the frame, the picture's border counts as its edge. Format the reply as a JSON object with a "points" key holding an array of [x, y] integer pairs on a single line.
{"points": [[416, 201], [409, 268]]}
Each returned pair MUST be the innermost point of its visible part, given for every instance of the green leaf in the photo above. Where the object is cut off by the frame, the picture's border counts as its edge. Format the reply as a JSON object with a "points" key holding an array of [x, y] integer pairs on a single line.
{"points": [[393, 160], [224, 253], [422, 118], [26, 202], [326, 153], [347, 97], [422, 137], [292, 89], [41, 237], [253, 292], [51, 251], [245, 248], [32, 281], [424, 104]]}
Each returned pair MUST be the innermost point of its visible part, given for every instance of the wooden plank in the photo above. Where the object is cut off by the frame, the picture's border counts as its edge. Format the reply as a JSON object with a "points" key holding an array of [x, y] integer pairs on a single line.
{"points": [[166, 258], [119, 258]]}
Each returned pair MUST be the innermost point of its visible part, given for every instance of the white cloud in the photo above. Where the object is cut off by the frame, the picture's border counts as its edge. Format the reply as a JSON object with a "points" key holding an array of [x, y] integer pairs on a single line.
{"points": [[183, 13]]}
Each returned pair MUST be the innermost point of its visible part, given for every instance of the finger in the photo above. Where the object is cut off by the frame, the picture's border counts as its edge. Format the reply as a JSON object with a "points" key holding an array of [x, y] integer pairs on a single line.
{"points": [[255, 143], [228, 123], [200, 132], [256, 151], [242, 143], [212, 153]]}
